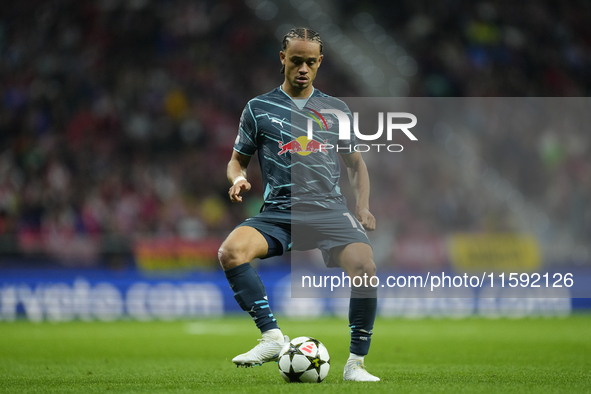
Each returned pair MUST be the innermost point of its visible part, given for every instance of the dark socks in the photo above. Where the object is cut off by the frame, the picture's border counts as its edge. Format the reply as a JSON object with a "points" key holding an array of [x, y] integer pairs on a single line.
{"points": [[250, 293], [362, 314]]}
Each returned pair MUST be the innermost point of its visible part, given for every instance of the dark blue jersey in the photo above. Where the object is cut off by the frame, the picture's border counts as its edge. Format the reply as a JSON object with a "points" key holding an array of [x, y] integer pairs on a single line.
{"points": [[294, 168]]}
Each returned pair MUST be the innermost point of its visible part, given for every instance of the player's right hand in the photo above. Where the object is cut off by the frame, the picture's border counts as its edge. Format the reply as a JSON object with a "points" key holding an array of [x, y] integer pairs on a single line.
{"points": [[237, 189]]}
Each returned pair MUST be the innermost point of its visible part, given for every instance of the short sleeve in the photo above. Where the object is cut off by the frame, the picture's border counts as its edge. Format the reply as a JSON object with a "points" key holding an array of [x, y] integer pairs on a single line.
{"points": [[247, 133], [346, 146]]}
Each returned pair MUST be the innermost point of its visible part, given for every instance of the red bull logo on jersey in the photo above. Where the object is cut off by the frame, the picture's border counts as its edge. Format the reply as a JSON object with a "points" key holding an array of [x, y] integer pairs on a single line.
{"points": [[302, 146]]}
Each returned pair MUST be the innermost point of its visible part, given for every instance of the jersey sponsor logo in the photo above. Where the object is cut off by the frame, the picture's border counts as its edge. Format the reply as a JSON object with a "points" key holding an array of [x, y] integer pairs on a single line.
{"points": [[303, 146], [315, 146]]}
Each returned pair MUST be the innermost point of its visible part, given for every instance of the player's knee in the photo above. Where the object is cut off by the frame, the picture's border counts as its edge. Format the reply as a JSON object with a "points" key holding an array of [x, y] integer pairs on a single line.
{"points": [[230, 256], [361, 268], [369, 268]]}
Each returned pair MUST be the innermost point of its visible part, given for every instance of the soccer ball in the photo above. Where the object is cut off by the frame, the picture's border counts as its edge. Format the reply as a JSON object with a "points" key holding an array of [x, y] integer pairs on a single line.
{"points": [[304, 359]]}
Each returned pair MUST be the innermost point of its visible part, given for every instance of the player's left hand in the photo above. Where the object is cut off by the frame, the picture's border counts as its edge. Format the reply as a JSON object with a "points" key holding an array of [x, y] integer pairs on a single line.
{"points": [[366, 219], [236, 190]]}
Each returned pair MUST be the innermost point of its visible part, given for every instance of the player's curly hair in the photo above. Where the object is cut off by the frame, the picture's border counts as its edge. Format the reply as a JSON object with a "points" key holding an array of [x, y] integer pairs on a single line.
{"points": [[300, 33]]}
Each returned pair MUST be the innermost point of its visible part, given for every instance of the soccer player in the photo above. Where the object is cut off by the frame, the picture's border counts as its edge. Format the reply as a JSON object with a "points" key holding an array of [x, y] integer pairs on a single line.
{"points": [[316, 207]]}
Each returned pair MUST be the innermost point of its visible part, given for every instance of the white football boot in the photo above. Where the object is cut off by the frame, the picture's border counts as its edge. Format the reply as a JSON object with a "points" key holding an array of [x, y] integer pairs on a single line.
{"points": [[267, 350], [355, 371]]}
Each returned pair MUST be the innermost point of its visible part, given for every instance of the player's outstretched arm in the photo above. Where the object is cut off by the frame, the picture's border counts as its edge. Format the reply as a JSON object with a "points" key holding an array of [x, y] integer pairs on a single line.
{"points": [[236, 173], [359, 179]]}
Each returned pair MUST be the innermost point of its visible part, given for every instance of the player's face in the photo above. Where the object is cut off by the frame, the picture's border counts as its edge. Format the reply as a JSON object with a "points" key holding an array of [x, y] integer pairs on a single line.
{"points": [[301, 60]]}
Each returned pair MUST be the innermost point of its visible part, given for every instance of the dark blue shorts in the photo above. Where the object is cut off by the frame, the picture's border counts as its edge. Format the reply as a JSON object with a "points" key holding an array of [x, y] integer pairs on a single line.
{"points": [[308, 227]]}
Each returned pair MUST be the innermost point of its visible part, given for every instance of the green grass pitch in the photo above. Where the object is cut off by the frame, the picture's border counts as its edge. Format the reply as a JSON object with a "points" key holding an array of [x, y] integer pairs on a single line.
{"points": [[411, 356]]}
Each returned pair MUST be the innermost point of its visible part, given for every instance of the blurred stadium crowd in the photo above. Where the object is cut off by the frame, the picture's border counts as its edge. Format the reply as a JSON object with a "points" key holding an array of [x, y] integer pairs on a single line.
{"points": [[118, 118], [491, 48]]}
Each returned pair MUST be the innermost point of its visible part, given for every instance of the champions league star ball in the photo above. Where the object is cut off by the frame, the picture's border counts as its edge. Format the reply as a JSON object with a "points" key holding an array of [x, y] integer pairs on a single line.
{"points": [[304, 360]]}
